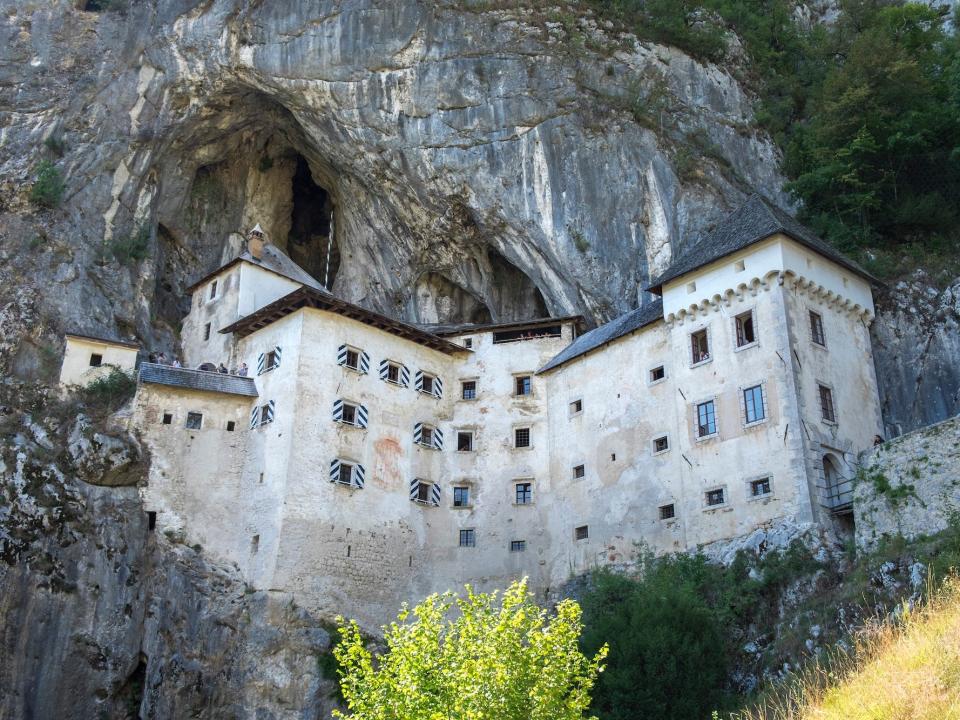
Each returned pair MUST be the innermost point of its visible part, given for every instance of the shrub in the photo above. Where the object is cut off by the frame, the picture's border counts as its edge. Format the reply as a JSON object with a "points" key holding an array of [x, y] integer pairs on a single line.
{"points": [[132, 248], [55, 145], [47, 190], [110, 391]]}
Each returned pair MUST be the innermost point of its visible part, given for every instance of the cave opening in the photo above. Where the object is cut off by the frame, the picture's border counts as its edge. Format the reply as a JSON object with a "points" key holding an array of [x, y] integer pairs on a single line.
{"points": [[311, 242]]}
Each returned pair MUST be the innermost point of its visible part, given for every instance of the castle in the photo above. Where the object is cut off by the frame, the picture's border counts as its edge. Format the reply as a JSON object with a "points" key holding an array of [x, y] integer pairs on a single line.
{"points": [[365, 461]]}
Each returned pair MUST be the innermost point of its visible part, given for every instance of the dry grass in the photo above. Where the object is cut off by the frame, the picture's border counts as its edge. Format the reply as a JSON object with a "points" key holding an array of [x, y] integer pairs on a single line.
{"points": [[903, 670]]}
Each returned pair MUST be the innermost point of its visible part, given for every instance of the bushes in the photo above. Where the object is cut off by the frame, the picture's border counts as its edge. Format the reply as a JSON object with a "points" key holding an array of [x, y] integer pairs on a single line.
{"points": [[47, 190], [109, 392], [133, 248]]}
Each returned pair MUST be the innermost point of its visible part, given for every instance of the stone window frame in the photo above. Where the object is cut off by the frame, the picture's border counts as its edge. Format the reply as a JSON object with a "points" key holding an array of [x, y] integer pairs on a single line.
{"points": [[473, 438], [432, 444], [190, 415], [359, 353], [717, 506], [462, 485], [523, 481], [709, 359], [833, 402], [424, 375], [743, 404], [662, 366], [513, 432], [471, 540], [424, 487], [673, 512], [578, 536], [398, 383], [355, 404], [571, 412], [818, 311], [736, 335], [653, 444], [476, 388], [518, 546], [748, 487], [516, 376], [695, 405]]}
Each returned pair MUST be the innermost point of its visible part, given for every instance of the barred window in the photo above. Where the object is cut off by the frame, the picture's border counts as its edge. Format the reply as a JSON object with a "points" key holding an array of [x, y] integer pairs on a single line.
{"points": [[816, 329], [715, 497], [468, 538], [522, 437], [667, 512]]}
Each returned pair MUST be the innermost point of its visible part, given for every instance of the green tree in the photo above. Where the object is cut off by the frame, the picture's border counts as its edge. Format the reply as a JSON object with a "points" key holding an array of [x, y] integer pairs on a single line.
{"points": [[482, 657], [47, 190]]}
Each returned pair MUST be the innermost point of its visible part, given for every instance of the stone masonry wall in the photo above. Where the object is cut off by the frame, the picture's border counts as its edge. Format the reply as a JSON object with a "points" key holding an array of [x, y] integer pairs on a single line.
{"points": [[909, 486]]}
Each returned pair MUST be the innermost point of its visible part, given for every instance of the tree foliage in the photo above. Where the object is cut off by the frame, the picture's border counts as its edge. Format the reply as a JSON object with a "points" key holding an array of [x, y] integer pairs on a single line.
{"points": [[47, 190], [480, 657]]}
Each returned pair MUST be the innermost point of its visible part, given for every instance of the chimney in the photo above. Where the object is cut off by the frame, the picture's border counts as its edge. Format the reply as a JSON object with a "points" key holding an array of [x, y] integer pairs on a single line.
{"points": [[255, 242]]}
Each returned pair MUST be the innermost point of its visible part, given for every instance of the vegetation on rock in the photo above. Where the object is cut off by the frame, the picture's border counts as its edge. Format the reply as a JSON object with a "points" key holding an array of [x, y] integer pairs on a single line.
{"points": [[47, 190]]}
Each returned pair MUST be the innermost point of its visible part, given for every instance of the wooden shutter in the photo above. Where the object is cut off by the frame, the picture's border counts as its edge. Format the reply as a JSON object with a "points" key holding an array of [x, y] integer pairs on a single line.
{"points": [[334, 471], [277, 352], [437, 387], [261, 358], [437, 439], [418, 433], [342, 355], [359, 476], [435, 495], [364, 362], [405, 376], [338, 410], [414, 489], [254, 417], [384, 368], [362, 415], [418, 380], [271, 408]]}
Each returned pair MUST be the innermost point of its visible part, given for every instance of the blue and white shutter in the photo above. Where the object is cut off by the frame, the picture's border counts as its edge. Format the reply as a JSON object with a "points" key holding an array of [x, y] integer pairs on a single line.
{"points": [[261, 360], [418, 433], [254, 417], [384, 369], [414, 489], [405, 376], [338, 410], [437, 439], [271, 409], [362, 415], [438, 387], [359, 476], [435, 495], [334, 471], [418, 381], [342, 355], [277, 352], [364, 362]]}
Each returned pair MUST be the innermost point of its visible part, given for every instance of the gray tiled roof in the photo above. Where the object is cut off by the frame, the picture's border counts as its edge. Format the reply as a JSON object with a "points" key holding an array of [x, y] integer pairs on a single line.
{"points": [[275, 260], [623, 325], [750, 223], [197, 380]]}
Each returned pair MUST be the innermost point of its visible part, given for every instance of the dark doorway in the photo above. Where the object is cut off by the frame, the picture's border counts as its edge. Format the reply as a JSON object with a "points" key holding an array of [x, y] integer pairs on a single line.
{"points": [[312, 220]]}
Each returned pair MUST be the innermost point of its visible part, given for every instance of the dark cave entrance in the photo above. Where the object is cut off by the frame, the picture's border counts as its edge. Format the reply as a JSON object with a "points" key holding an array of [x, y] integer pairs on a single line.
{"points": [[311, 242]]}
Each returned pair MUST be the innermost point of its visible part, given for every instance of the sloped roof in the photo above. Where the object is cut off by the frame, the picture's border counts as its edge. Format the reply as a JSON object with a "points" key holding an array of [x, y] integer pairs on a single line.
{"points": [[623, 325], [755, 220], [273, 260], [197, 380], [445, 329], [105, 341]]}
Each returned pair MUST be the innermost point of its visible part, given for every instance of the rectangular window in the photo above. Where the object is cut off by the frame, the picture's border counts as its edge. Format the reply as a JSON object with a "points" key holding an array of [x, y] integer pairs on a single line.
{"points": [[96, 360], [468, 538], [423, 492], [715, 497], [759, 488], [461, 497], [667, 512], [231, 426], [465, 441], [521, 437], [349, 415], [393, 373], [826, 404], [468, 390], [699, 346], [266, 413], [270, 360], [745, 330], [661, 444], [582, 532], [206, 331], [658, 374], [579, 471], [353, 359], [468, 343], [518, 545], [523, 386], [194, 420], [213, 289], [346, 474], [167, 418], [706, 419], [576, 407], [427, 385], [426, 436], [753, 404], [816, 329], [524, 493]]}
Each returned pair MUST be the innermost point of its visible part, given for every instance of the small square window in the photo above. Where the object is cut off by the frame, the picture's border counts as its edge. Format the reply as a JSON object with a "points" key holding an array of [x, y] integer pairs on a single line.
{"points": [[582, 532], [468, 389], [715, 497], [194, 420], [468, 343], [518, 545], [266, 415], [667, 512], [753, 404], [427, 384], [816, 329], [523, 385], [706, 419], [231, 426], [393, 373], [465, 441], [213, 289], [423, 491], [461, 496], [353, 359], [206, 331], [270, 360], [349, 415], [579, 471], [699, 346], [661, 444], [96, 360], [759, 488], [167, 418], [523, 493], [521, 437], [468, 538], [426, 436], [826, 404], [658, 374], [745, 330], [576, 407]]}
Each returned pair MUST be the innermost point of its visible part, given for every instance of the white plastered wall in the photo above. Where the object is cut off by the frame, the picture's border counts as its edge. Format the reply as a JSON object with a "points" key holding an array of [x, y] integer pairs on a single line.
{"points": [[76, 368]]}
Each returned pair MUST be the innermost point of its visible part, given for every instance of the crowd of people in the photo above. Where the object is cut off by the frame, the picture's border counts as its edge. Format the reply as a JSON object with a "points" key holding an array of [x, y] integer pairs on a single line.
{"points": [[162, 359]]}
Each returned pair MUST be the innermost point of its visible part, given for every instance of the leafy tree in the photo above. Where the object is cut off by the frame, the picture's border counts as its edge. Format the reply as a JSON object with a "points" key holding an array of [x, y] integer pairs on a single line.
{"points": [[498, 658]]}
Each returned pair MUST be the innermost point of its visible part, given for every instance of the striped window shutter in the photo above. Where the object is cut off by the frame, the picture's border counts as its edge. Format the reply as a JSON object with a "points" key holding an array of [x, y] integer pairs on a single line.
{"points": [[364, 362], [254, 417], [334, 471], [271, 409], [359, 476], [261, 358], [337, 410], [438, 387], [405, 376], [342, 355], [414, 489], [277, 352], [438, 439], [435, 495], [418, 433], [362, 416], [383, 369], [418, 381]]}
